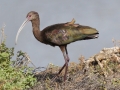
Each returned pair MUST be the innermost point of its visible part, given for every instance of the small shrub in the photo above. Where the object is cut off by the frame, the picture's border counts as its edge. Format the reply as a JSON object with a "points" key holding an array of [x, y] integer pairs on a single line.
{"points": [[13, 77]]}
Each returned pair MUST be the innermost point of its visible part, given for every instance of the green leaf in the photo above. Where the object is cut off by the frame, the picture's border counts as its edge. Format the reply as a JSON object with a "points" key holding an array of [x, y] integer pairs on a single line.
{"points": [[4, 54]]}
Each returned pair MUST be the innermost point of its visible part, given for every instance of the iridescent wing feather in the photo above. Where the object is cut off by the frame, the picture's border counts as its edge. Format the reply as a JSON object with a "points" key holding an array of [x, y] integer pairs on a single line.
{"points": [[61, 34]]}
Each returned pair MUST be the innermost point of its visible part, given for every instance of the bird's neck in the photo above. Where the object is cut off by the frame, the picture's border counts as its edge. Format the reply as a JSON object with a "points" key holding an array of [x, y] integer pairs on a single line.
{"points": [[36, 29]]}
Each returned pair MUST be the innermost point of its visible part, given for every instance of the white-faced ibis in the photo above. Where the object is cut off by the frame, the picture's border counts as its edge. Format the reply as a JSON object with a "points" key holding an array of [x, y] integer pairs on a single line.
{"points": [[59, 34]]}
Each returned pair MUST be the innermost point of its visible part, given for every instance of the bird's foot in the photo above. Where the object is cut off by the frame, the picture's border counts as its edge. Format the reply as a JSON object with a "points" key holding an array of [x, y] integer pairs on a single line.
{"points": [[54, 78], [70, 23]]}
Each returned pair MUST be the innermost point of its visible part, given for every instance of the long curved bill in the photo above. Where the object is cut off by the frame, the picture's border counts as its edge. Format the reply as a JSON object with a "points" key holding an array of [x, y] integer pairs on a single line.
{"points": [[20, 29]]}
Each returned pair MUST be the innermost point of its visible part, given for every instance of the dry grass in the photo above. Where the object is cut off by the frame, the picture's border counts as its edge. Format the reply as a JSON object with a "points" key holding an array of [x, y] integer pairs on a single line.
{"points": [[2, 36], [99, 72]]}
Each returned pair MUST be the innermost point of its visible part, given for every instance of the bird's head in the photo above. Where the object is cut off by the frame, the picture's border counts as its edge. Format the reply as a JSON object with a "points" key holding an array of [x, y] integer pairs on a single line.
{"points": [[31, 16]]}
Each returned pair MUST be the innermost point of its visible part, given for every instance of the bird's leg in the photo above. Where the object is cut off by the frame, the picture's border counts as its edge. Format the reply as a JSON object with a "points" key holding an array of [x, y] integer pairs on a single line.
{"points": [[66, 62], [65, 54], [70, 23]]}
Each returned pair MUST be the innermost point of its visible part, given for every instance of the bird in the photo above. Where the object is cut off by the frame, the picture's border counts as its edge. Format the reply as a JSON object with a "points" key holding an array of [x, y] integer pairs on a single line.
{"points": [[60, 35]]}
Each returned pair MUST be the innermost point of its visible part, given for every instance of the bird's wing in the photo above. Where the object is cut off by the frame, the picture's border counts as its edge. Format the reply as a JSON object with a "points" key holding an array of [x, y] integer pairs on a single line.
{"points": [[61, 34]]}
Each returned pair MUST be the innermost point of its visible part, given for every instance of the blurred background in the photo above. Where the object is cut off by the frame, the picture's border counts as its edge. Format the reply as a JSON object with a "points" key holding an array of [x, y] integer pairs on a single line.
{"points": [[104, 15]]}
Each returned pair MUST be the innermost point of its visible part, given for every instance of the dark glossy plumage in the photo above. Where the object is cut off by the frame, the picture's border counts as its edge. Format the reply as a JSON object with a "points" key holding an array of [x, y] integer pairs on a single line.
{"points": [[59, 35]]}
